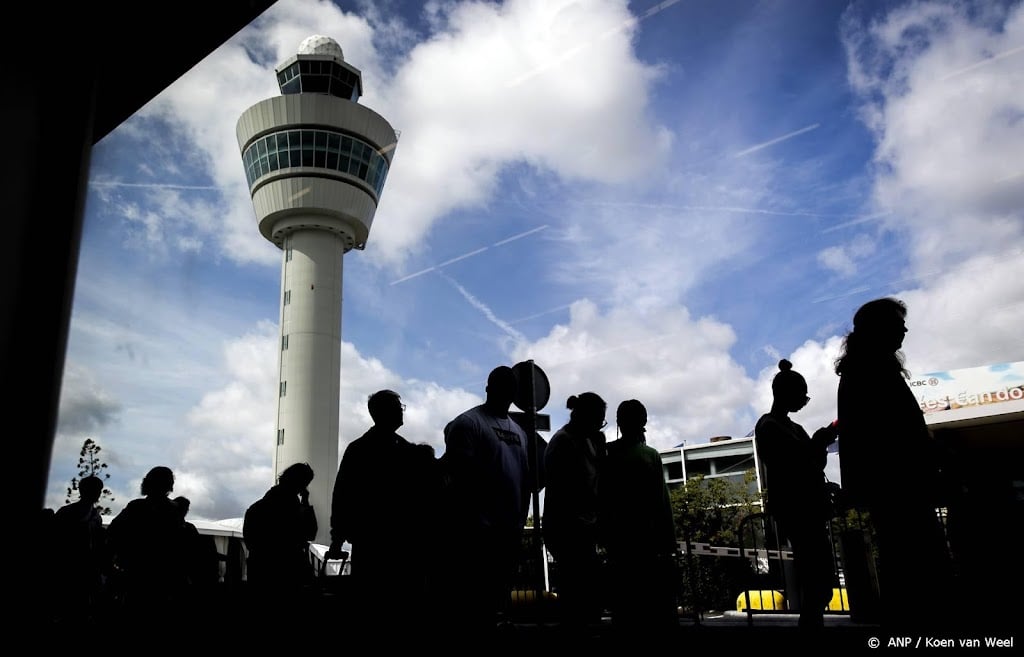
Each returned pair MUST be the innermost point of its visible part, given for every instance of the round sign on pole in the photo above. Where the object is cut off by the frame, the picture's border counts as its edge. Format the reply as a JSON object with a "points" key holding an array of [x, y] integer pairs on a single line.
{"points": [[533, 386]]}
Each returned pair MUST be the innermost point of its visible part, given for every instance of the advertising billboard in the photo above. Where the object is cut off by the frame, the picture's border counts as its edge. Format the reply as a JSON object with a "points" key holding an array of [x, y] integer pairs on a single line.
{"points": [[988, 390]]}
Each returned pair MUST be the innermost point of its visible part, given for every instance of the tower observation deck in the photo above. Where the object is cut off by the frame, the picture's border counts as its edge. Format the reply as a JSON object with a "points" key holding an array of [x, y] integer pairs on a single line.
{"points": [[316, 162]]}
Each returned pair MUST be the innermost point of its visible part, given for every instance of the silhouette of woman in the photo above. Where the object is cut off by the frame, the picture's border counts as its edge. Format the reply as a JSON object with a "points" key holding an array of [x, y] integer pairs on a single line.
{"points": [[795, 493], [889, 462], [571, 462]]}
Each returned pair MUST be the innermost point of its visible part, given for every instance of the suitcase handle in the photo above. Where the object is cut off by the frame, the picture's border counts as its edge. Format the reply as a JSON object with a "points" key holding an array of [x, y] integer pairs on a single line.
{"points": [[329, 557]]}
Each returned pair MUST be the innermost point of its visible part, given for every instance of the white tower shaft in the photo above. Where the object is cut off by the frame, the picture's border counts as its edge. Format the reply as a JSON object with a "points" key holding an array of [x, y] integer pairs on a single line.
{"points": [[310, 361]]}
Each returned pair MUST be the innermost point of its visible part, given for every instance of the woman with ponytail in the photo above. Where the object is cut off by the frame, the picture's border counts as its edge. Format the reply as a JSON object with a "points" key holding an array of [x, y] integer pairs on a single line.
{"points": [[795, 492], [571, 462]]}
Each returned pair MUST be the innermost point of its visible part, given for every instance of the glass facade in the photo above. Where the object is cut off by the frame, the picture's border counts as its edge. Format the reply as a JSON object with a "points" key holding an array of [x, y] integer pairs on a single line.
{"points": [[322, 149], [319, 77]]}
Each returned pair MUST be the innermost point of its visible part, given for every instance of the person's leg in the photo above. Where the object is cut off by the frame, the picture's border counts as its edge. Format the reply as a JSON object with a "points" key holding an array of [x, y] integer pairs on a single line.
{"points": [[812, 553]]}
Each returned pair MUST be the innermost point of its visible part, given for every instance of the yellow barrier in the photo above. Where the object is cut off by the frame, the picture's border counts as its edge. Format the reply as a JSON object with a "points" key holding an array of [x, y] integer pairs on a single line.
{"points": [[839, 601], [768, 600], [764, 600], [520, 596]]}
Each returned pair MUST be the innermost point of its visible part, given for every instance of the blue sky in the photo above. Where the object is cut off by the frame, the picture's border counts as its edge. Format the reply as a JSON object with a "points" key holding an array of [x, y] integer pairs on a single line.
{"points": [[651, 200]]}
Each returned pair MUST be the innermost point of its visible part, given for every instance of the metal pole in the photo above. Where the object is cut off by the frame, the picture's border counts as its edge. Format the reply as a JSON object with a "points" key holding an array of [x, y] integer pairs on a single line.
{"points": [[531, 430]]}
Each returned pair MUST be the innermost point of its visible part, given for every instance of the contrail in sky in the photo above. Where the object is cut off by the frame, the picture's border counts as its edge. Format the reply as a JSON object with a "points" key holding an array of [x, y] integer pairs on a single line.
{"points": [[482, 307], [717, 208], [766, 144], [859, 220], [984, 62], [541, 314], [104, 183], [470, 254]]}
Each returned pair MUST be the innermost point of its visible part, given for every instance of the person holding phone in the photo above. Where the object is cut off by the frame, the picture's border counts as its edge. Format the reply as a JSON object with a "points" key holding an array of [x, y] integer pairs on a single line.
{"points": [[796, 494]]}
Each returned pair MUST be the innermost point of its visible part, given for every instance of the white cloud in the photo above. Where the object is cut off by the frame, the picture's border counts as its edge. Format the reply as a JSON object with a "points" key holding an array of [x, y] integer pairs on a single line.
{"points": [[843, 259], [478, 95], [941, 86], [678, 366], [967, 316], [946, 109]]}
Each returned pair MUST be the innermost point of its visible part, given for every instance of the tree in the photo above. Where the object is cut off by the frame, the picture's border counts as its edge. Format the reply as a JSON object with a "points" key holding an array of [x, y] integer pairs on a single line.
{"points": [[90, 464], [709, 510]]}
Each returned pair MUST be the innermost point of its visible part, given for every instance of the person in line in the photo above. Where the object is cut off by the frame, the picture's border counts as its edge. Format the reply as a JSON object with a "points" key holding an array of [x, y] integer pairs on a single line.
{"points": [[80, 545], [487, 496], [202, 559], [277, 530], [795, 492], [572, 459], [637, 529], [890, 466], [149, 548], [384, 505]]}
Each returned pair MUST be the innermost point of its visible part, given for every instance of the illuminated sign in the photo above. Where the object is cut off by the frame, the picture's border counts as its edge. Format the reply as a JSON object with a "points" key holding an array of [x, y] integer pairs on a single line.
{"points": [[974, 387]]}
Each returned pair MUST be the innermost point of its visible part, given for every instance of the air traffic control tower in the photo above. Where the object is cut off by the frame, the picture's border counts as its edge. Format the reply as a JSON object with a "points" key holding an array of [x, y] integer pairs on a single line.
{"points": [[316, 161]]}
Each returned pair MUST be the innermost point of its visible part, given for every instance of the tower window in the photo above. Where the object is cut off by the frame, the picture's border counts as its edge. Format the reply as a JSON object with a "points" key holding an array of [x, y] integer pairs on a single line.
{"points": [[280, 436], [322, 149], [287, 297], [283, 389], [284, 342]]}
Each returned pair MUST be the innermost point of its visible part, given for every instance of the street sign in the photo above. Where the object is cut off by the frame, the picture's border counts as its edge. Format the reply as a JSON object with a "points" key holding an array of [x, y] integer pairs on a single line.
{"points": [[541, 421], [534, 391]]}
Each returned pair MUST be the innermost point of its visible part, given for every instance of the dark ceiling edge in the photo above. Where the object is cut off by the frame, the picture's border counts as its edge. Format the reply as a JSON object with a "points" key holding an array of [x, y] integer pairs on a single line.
{"points": [[177, 38]]}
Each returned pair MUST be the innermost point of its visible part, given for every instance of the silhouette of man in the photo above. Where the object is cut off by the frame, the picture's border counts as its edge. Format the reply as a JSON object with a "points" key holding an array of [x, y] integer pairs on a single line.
{"points": [[202, 559], [384, 499], [488, 493], [80, 540], [637, 529]]}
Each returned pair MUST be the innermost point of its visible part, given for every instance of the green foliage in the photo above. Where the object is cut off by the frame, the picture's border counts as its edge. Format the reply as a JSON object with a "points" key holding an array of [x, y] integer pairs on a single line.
{"points": [[709, 510], [90, 464]]}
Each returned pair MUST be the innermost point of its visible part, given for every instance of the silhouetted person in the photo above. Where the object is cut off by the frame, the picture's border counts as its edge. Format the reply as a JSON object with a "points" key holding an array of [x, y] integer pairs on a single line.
{"points": [[384, 504], [795, 492], [149, 549], [889, 465], [637, 529], [277, 530], [571, 462], [79, 538], [202, 559], [487, 497]]}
